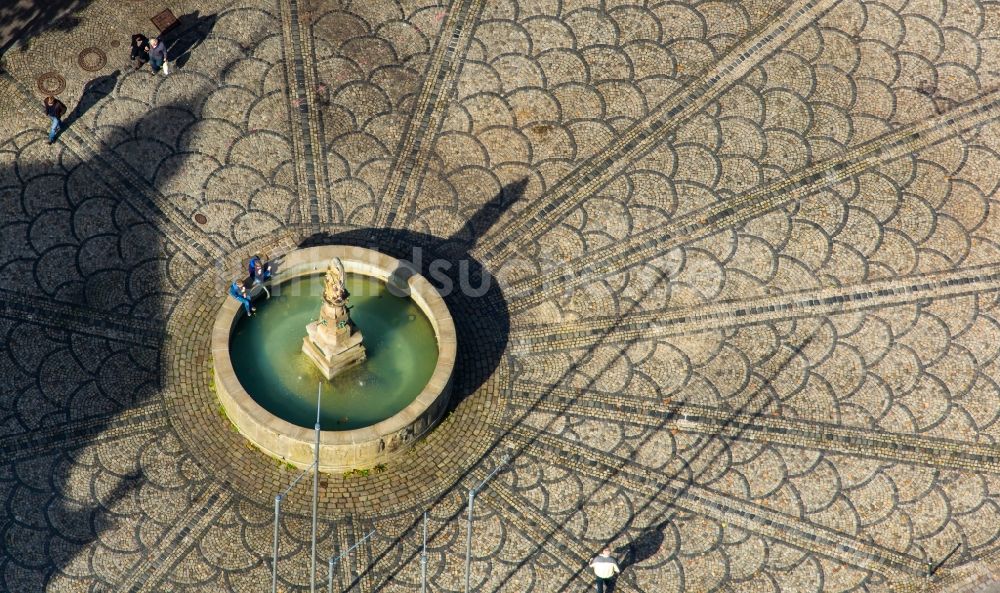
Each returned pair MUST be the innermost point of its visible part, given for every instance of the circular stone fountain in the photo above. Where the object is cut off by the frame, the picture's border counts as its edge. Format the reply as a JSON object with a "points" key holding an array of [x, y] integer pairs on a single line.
{"points": [[369, 412]]}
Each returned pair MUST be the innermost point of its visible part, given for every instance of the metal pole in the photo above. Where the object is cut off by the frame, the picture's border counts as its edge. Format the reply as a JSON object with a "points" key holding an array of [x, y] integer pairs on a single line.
{"points": [[277, 517], [274, 554], [312, 573], [468, 534], [329, 582], [468, 540], [423, 560], [334, 561]]}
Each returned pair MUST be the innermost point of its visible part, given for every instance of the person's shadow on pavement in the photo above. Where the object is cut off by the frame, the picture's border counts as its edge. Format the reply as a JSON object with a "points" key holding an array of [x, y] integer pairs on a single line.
{"points": [[93, 92], [193, 29], [641, 548]]}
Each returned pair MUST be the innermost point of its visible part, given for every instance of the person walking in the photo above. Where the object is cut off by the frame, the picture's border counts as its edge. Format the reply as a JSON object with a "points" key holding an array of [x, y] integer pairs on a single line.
{"points": [[238, 291], [158, 56], [55, 109], [605, 568], [140, 51]]}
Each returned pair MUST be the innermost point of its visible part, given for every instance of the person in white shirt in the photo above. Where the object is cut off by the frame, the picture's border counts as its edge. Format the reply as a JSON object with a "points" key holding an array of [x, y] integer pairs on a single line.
{"points": [[605, 569]]}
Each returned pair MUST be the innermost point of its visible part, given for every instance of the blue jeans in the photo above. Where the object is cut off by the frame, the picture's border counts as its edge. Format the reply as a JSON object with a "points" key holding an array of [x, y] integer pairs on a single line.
{"points": [[245, 301], [56, 124], [236, 294], [156, 63]]}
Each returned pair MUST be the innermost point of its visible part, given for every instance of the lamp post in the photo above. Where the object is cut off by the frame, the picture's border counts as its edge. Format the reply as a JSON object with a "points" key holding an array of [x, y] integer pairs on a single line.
{"points": [[274, 552], [468, 531], [312, 572], [423, 559], [333, 561]]}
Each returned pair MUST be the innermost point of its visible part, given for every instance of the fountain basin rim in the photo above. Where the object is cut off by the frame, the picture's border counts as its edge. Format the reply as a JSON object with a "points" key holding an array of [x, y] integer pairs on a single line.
{"points": [[340, 449]]}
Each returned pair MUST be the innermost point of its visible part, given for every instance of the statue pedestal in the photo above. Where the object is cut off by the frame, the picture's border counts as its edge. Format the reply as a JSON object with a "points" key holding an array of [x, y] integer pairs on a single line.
{"points": [[332, 351], [332, 342]]}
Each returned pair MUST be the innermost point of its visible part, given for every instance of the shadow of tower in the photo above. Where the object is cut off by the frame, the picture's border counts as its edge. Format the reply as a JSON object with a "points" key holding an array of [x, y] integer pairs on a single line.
{"points": [[74, 247]]}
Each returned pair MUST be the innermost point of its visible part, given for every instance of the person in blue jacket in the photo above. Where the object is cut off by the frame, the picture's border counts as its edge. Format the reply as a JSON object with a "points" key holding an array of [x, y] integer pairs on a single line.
{"points": [[238, 291], [259, 273]]}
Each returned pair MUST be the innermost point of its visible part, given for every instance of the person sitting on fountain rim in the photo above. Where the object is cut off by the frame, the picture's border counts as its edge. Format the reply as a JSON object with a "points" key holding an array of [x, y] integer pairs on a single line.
{"points": [[238, 291], [260, 273]]}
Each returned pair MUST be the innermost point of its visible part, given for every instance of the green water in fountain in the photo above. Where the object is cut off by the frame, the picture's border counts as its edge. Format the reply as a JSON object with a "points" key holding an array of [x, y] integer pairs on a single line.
{"points": [[266, 352]]}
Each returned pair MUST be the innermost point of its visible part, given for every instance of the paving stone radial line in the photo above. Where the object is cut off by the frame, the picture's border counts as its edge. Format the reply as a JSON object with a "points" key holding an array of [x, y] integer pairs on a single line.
{"points": [[79, 319], [133, 188], [812, 303], [342, 540], [355, 578], [333, 547], [144, 418], [528, 432], [726, 214], [405, 532], [147, 574], [531, 436], [546, 533], [609, 161], [121, 179], [634, 143], [414, 148], [308, 148], [315, 160], [363, 556], [697, 499], [683, 416]]}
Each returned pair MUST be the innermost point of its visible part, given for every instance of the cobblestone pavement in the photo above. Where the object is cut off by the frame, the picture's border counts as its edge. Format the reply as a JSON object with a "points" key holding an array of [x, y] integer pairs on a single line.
{"points": [[742, 321]]}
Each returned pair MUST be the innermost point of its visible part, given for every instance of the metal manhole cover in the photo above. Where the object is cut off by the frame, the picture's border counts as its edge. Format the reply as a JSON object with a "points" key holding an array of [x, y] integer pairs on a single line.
{"points": [[92, 59], [200, 218], [115, 43], [51, 83]]}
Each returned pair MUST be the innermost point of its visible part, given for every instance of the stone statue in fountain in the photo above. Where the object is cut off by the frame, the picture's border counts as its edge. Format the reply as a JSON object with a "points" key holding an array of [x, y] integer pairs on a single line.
{"points": [[332, 342]]}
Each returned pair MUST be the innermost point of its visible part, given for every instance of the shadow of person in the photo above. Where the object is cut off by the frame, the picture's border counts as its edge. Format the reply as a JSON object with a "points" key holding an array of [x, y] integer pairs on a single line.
{"points": [[643, 547], [193, 29], [93, 92], [473, 296]]}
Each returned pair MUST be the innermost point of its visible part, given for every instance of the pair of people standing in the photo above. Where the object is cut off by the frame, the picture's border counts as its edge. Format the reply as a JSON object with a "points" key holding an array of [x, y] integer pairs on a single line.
{"points": [[151, 50]]}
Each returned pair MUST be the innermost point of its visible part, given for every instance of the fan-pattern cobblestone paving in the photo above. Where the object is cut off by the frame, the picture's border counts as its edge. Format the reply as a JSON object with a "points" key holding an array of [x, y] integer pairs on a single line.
{"points": [[743, 316]]}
